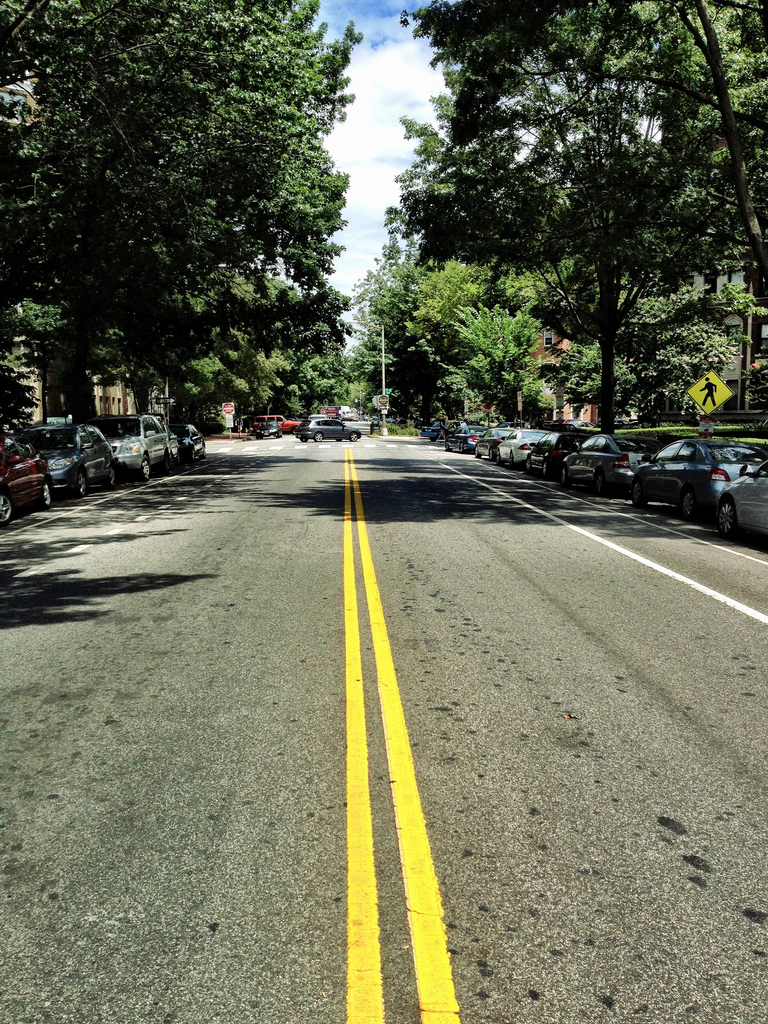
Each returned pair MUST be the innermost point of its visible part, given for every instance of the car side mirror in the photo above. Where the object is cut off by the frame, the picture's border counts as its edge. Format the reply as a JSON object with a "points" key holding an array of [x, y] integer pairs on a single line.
{"points": [[86, 445], [744, 471], [646, 458]]}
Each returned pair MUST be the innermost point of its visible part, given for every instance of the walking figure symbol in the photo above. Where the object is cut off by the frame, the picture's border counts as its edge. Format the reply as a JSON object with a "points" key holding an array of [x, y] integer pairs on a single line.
{"points": [[709, 390]]}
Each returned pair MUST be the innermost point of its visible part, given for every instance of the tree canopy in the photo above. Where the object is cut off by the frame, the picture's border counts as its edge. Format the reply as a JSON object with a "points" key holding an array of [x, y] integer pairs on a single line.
{"points": [[149, 150]]}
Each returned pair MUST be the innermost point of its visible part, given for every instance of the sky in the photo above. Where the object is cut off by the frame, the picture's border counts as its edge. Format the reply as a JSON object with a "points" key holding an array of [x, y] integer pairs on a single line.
{"points": [[390, 78]]}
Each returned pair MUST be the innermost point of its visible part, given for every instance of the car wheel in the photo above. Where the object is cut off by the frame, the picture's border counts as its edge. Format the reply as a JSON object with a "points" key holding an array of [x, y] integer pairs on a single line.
{"points": [[528, 466], [638, 496], [689, 506], [318, 436], [6, 508], [565, 477], [304, 439], [354, 436], [600, 483], [167, 463], [111, 479], [202, 452], [80, 487], [446, 447], [46, 497], [477, 453], [545, 472], [727, 520], [145, 469]]}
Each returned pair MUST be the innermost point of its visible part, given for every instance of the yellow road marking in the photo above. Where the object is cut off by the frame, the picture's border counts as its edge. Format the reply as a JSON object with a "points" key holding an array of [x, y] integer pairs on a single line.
{"points": [[365, 1001], [432, 961]]}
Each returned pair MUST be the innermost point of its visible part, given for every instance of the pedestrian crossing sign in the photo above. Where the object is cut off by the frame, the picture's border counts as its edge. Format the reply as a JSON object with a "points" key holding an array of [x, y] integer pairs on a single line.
{"points": [[710, 392]]}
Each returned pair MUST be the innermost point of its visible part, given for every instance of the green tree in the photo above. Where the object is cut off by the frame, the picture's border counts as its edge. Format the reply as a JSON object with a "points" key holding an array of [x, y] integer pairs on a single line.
{"points": [[166, 141], [500, 360], [544, 160]]}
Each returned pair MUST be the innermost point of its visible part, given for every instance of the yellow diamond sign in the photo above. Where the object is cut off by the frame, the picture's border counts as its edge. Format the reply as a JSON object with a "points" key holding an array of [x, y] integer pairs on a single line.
{"points": [[710, 392]]}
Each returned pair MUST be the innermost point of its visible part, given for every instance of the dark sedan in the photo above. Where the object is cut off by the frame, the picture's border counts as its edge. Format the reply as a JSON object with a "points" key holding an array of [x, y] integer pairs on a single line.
{"points": [[191, 441], [489, 441], [326, 430], [78, 455], [464, 438], [548, 453], [692, 473], [267, 428]]}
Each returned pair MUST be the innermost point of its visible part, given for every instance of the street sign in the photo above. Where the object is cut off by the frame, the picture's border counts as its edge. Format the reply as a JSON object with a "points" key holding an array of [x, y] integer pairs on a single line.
{"points": [[387, 391], [383, 401], [487, 406], [710, 392], [519, 401], [228, 408]]}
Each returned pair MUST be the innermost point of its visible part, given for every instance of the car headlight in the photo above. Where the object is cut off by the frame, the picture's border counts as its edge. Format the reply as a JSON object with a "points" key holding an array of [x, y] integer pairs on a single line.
{"points": [[129, 448], [60, 463]]}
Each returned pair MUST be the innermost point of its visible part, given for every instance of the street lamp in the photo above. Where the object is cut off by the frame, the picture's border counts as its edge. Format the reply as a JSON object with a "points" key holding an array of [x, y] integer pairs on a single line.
{"points": [[383, 412]]}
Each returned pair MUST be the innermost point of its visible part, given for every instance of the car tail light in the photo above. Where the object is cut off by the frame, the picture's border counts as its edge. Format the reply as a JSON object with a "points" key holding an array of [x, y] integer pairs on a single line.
{"points": [[556, 453], [718, 474], [622, 462], [472, 437], [524, 448]]}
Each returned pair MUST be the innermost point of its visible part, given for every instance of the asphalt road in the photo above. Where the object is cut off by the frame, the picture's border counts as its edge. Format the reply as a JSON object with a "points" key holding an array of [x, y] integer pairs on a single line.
{"points": [[584, 688]]}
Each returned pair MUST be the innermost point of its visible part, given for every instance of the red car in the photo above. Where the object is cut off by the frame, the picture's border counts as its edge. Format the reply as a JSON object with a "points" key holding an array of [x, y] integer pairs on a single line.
{"points": [[24, 477], [288, 426]]}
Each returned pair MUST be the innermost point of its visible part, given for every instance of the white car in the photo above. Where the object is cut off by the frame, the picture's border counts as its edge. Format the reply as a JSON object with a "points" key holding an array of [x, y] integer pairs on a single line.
{"points": [[743, 504], [513, 450]]}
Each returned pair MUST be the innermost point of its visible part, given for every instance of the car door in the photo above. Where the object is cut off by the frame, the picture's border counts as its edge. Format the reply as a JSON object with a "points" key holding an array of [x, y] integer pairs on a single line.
{"points": [[687, 465], [98, 456], [22, 477], [753, 499], [153, 438], [655, 484], [580, 464], [332, 429]]}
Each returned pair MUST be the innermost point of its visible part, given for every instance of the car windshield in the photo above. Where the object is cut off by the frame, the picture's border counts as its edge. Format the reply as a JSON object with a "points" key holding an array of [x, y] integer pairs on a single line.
{"points": [[733, 452], [120, 426], [635, 444], [52, 438], [180, 430]]}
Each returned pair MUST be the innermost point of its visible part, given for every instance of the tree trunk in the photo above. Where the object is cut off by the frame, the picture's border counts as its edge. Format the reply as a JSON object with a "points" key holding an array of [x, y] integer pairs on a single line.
{"points": [[710, 47]]}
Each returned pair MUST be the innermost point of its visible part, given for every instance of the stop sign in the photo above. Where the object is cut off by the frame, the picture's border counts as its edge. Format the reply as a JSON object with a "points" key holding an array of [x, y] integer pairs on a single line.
{"points": [[228, 408]]}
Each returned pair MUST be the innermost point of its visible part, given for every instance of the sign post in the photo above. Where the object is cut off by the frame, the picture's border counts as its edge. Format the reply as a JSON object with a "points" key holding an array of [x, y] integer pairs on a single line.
{"points": [[709, 394], [228, 410]]}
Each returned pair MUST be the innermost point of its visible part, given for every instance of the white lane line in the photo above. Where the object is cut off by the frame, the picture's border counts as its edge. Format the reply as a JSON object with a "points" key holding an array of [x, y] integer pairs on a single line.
{"points": [[139, 519], [29, 572], [117, 529], [276, 447], [707, 591], [77, 550]]}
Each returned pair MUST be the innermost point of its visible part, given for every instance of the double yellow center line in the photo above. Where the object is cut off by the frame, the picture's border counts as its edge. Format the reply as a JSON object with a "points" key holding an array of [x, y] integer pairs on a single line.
{"points": [[432, 962]]}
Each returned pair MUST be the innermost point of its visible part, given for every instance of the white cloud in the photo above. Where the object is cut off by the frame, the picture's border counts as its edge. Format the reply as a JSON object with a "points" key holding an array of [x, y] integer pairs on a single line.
{"points": [[390, 78]]}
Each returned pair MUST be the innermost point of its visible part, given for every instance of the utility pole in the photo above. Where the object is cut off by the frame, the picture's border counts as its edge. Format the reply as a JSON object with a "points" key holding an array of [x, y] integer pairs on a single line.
{"points": [[384, 431]]}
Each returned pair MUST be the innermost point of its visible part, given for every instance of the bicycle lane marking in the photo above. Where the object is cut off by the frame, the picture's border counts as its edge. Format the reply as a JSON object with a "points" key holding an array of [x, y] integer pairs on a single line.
{"points": [[365, 1000], [432, 961], [656, 566]]}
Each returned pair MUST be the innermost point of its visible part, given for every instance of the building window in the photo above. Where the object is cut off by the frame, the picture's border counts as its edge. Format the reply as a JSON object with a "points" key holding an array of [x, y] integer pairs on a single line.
{"points": [[710, 284], [549, 339], [735, 277]]}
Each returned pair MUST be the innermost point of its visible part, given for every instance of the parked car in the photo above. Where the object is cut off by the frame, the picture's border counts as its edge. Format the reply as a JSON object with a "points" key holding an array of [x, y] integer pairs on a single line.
{"points": [[576, 425], [191, 441], [692, 473], [743, 505], [24, 477], [548, 453], [267, 428], [433, 432], [327, 430], [463, 438], [489, 441], [139, 443], [513, 450], [78, 455], [606, 460]]}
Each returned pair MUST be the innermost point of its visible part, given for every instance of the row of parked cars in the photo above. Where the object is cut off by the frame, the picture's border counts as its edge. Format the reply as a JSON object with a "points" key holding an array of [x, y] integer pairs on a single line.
{"points": [[73, 457], [724, 477]]}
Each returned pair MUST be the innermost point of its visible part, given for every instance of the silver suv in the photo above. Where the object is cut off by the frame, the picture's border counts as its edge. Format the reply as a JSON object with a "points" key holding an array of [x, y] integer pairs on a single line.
{"points": [[139, 443]]}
